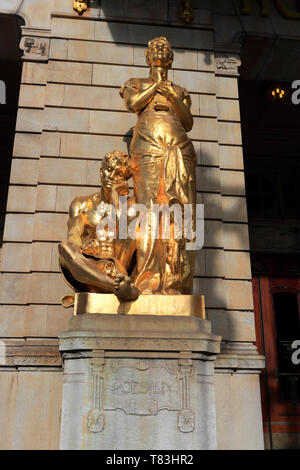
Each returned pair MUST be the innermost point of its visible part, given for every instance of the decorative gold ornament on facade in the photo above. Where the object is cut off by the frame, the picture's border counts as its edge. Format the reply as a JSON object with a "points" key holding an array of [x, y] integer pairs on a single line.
{"points": [[186, 13], [286, 11], [281, 5], [246, 7], [162, 165], [81, 7]]}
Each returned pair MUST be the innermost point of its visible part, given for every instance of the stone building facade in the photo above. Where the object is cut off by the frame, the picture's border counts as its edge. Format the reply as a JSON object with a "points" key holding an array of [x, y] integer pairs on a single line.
{"points": [[70, 113]]}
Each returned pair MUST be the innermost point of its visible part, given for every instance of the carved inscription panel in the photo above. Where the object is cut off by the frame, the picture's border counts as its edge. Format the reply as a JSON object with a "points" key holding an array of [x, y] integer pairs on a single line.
{"points": [[141, 388]]}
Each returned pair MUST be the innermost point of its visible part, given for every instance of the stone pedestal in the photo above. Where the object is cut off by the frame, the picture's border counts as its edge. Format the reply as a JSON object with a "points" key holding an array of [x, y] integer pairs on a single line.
{"points": [[138, 382]]}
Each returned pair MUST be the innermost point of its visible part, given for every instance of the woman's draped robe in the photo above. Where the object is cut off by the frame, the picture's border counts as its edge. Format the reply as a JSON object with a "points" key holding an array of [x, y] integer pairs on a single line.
{"points": [[163, 164]]}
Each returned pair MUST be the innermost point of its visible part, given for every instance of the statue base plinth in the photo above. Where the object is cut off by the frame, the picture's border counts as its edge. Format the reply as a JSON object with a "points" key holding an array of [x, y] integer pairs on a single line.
{"points": [[138, 382], [174, 305]]}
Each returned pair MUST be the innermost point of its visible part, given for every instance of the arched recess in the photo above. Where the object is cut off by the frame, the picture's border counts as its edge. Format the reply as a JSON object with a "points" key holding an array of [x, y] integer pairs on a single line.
{"points": [[10, 74]]}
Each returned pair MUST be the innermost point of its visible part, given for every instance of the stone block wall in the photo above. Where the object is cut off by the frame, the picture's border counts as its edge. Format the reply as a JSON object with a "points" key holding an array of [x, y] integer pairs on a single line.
{"points": [[29, 412], [71, 114]]}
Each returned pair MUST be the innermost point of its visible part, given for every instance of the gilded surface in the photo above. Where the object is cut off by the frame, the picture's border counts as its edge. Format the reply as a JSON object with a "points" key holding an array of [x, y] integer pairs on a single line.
{"points": [[162, 164], [88, 263], [184, 305], [80, 6], [186, 13]]}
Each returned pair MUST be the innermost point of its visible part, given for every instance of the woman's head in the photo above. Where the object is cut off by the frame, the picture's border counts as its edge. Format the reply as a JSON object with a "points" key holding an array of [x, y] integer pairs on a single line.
{"points": [[159, 53]]}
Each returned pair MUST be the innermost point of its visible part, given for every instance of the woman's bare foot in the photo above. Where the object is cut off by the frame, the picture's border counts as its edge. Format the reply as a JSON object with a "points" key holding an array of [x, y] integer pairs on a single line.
{"points": [[125, 290]]}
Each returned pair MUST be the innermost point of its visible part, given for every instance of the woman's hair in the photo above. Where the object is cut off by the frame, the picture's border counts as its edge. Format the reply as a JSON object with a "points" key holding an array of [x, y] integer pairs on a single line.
{"points": [[153, 44]]}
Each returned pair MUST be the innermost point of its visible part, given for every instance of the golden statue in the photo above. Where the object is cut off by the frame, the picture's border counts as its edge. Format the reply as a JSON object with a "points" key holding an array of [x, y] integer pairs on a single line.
{"points": [[90, 264], [162, 165]]}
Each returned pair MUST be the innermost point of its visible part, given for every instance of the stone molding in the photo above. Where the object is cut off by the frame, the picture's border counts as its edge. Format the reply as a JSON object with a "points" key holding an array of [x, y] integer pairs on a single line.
{"points": [[238, 357], [139, 333], [29, 353], [20, 353]]}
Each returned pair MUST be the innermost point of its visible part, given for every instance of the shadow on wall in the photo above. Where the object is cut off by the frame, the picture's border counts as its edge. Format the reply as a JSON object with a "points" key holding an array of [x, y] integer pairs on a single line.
{"points": [[156, 11], [161, 14]]}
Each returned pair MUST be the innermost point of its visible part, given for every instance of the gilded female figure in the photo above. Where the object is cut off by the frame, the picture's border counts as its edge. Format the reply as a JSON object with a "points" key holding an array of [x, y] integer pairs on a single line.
{"points": [[163, 166]]}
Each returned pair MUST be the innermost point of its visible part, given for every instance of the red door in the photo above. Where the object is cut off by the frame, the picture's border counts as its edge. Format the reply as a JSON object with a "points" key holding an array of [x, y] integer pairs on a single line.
{"points": [[277, 317]]}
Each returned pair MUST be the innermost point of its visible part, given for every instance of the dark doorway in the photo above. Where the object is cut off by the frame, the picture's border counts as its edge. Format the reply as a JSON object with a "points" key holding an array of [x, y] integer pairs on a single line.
{"points": [[271, 146], [10, 78], [277, 319]]}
